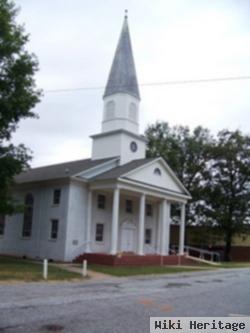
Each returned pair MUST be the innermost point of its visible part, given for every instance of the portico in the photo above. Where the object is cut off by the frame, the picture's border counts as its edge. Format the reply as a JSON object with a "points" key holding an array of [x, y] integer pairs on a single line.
{"points": [[125, 231]]}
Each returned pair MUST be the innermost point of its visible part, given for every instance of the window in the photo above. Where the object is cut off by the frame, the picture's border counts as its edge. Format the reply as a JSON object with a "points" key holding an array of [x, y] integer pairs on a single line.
{"points": [[110, 110], [28, 215], [99, 232], [149, 210], [132, 111], [101, 201], [56, 197], [54, 229], [129, 206], [148, 236], [2, 225], [157, 171]]}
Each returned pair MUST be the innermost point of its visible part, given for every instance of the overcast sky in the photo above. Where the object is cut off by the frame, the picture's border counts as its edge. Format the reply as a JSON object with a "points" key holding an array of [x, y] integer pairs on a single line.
{"points": [[172, 40]]}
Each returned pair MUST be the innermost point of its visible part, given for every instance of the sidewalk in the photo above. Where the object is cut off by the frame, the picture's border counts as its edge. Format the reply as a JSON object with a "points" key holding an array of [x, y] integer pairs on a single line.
{"points": [[91, 274]]}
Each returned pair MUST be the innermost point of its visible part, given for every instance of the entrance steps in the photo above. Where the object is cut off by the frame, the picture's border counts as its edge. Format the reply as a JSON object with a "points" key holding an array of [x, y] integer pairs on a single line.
{"points": [[125, 259]]}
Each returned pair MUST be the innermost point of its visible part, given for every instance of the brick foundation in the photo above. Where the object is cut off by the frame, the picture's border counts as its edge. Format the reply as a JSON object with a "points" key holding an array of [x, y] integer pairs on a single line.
{"points": [[132, 259], [240, 253]]}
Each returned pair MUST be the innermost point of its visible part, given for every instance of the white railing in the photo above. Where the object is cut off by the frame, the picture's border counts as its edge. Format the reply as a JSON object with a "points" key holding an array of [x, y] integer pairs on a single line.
{"points": [[212, 255], [80, 249], [199, 253], [150, 248]]}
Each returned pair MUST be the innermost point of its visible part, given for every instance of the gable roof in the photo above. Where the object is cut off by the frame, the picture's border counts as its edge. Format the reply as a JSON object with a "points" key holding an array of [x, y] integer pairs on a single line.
{"points": [[122, 76], [122, 169], [124, 172], [58, 171]]}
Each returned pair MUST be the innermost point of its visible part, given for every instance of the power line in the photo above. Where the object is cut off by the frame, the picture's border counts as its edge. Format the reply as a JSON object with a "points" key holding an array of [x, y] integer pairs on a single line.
{"points": [[174, 82]]}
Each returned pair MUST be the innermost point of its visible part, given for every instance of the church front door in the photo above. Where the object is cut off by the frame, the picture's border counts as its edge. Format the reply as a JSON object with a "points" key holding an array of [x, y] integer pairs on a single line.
{"points": [[128, 237]]}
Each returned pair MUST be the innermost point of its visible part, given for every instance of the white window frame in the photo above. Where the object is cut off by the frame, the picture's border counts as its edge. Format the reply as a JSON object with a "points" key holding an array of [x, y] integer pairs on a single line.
{"points": [[151, 233], [51, 230], [60, 197], [132, 206], [103, 232], [30, 207], [104, 201], [152, 209]]}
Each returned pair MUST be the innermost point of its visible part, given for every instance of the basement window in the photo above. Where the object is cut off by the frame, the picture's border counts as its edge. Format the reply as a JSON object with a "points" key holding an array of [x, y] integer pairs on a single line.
{"points": [[99, 231]]}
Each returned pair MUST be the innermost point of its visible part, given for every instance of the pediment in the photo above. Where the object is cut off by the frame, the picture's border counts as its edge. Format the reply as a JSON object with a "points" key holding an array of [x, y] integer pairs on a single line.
{"points": [[157, 173]]}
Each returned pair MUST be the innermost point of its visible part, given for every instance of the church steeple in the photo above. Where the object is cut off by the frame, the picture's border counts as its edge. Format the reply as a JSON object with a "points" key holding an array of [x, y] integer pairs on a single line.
{"points": [[122, 76], [121, 97]]}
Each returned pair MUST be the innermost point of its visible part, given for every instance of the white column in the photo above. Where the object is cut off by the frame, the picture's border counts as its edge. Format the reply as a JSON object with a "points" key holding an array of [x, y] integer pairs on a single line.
{"points": [[141, 228], [168, 225], [89, 221], [182, 230], [165, 228], [115, 221], [159, 218]]}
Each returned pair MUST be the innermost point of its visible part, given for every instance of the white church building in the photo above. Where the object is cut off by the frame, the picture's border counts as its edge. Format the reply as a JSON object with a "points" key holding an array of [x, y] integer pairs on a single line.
{"points": [[115, 204]]}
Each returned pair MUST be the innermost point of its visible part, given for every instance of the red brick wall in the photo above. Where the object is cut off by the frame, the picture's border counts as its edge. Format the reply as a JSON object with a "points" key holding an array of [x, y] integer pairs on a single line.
{"points": [[132, 260], [240, 253]]}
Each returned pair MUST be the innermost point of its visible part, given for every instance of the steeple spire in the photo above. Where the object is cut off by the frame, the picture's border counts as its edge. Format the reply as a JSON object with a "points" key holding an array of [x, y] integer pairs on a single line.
{"points": [[122, 76]]}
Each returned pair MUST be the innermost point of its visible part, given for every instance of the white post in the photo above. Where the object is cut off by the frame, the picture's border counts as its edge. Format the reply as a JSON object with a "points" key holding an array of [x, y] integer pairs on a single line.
{"points": [[45, 269], [141, 228], [115, 221], [168, 224], [182, 231], [165, 224], [159, 218], [89, 220], [84, 268]]}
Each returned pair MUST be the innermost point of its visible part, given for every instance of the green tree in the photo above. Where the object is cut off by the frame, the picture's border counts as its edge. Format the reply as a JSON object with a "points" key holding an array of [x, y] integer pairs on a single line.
{"points": [[18, 96], [186, 153], [228, 185]]}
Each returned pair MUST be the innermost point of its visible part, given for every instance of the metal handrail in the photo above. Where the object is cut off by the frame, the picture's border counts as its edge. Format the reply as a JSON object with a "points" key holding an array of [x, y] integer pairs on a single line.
{"points": [[83, 245], [202, 252], [151, 248]]}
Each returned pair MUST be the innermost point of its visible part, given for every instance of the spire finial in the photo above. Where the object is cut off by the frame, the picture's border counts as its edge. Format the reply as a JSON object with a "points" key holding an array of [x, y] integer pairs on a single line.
{"points": [[126, 14]]}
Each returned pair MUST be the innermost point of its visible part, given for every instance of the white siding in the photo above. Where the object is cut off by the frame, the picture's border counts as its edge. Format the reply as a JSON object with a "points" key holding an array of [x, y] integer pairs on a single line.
{"points": [[77, 217], [118, 144], [120, 118], [147, 175], [39, 244]]}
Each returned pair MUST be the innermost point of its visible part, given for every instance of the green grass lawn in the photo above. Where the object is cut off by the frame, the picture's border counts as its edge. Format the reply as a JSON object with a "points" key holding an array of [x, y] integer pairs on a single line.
{"points": [[142, 270], [147, 270], [234, 265], [24, 270]]}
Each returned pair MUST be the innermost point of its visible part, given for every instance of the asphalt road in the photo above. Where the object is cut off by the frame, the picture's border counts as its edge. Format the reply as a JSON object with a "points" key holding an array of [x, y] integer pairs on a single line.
{"points": [[121, 304]]}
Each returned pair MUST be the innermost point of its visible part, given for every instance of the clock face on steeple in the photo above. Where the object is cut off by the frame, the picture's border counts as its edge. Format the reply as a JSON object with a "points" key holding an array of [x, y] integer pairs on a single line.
{"points": [[133, 146]]}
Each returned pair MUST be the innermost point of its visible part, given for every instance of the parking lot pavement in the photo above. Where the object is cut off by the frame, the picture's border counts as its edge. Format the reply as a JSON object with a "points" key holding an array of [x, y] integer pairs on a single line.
{"points": [[121, 305]]}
